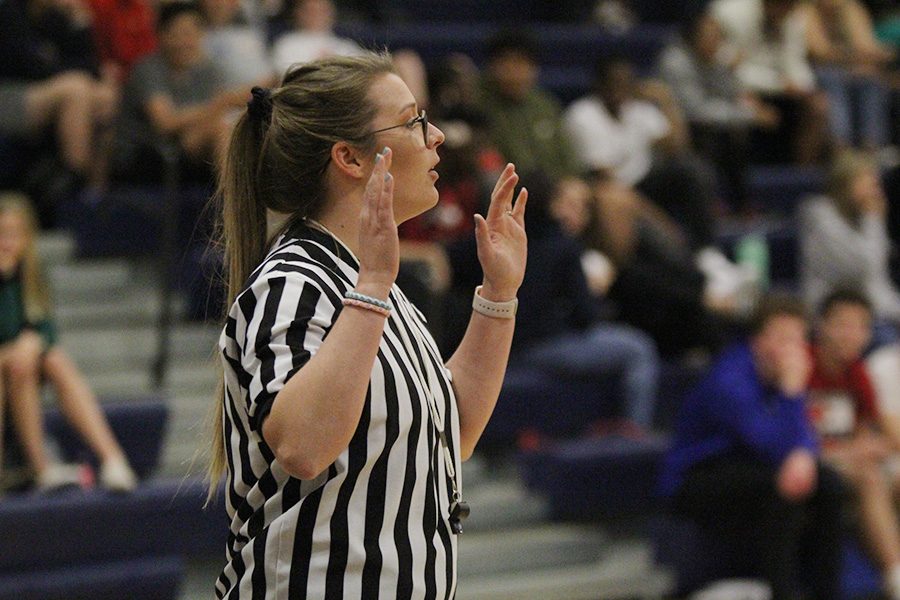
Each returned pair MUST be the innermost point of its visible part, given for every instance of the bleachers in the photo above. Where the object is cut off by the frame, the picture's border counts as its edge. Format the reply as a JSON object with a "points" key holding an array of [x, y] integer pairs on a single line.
{"points": [[104, 546]]}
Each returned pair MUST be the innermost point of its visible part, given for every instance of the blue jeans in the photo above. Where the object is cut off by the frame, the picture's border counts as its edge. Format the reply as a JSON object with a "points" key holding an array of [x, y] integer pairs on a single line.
{"points": [[604, 350], [867, 97]]}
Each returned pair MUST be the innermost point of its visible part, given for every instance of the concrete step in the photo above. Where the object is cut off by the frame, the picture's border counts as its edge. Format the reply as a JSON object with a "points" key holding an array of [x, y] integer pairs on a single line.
{"points": [[501, 504], [84, 278], [55, 247], [105, 348], [130, 308], [623, 572], [534, 547]]}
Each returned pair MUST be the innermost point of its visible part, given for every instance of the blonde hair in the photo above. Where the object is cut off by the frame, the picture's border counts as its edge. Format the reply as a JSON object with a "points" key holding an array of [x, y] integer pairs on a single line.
{"points": [[279, 163], [35, 293], [846, 167]]}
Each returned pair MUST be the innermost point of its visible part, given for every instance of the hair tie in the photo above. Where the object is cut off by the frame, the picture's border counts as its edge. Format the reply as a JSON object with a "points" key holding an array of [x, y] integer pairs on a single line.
{"points": [[260, 105]]}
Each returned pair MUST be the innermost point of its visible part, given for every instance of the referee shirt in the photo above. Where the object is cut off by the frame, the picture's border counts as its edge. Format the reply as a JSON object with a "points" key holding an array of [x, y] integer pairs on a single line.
{"points": [[374, 524]]}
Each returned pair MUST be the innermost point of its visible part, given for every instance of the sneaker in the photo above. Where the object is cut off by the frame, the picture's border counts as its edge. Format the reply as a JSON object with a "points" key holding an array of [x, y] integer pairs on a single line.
{"points": [[116, 475], [59, 476]]}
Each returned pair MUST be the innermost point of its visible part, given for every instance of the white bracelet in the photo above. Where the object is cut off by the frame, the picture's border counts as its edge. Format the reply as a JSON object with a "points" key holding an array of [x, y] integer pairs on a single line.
{"points": [[498, 310]]}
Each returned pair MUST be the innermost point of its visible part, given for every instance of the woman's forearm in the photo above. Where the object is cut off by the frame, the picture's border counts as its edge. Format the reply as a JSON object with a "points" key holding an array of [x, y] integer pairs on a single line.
{"points": [[317, 411], [478, 367]]}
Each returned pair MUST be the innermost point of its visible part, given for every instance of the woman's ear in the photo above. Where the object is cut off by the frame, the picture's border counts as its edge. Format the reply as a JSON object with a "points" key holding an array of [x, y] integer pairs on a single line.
{"points": [[350, 161]]}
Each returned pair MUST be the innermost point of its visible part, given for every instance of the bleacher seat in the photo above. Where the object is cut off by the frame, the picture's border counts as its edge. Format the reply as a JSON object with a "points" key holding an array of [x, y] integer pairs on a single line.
{"points": [[567, 53], [596, 477], [157, 578], [540, 402], [138, 424], [70, 528], [779, 189], [127, 221]]}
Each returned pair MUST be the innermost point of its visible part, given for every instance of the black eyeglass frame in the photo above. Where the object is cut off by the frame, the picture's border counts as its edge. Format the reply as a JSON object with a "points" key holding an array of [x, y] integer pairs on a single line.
{"points": [[422, 118]]}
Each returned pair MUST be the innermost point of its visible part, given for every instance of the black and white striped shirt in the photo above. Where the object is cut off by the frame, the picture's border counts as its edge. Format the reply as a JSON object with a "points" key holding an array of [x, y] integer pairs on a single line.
{"points": [[374, 525]]}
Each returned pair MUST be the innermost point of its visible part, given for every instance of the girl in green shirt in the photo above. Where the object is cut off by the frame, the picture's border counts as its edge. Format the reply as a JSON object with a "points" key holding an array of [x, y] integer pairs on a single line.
{"points": [[29, 353]]}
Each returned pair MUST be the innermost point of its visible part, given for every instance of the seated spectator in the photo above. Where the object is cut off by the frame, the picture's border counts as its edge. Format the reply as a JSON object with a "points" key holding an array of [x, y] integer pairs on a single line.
{"points": [[49, 78], [657, 287], [856, 437], [745, 465], [236, 47], [28, 352], [558, 329], [844, 240], [524, 121], [634, 131], [767, 39], [175, 94], [850, 66], [313, 37], [720, 114], [573, 208]]}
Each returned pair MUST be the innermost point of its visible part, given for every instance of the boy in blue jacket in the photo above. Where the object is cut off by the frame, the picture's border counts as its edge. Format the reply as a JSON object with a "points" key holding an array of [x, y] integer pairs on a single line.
{"points": [[745, 461]]}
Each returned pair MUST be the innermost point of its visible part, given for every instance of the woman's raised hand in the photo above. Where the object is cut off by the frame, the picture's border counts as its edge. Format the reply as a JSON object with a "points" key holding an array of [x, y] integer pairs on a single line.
{"points": [[379, 245], [502, 245]]}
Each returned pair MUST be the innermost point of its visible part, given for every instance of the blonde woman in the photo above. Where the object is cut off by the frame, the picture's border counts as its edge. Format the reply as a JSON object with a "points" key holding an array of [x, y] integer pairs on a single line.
{"points": [[340, 429], [844, 237], [28, 352]]}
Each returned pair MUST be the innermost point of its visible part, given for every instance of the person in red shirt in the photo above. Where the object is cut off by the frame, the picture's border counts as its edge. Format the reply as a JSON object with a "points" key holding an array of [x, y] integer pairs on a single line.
{"points": [[856, 438], [124, 32]]}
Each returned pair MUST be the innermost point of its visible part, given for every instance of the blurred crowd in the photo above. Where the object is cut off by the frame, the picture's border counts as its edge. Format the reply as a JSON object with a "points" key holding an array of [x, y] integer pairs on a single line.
{"points": [[631, 184]]}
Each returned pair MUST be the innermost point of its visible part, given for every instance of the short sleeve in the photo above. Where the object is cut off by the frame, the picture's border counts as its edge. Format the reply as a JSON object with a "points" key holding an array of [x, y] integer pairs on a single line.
{"points": [[286, 318], [147, 80], [652, 120]]}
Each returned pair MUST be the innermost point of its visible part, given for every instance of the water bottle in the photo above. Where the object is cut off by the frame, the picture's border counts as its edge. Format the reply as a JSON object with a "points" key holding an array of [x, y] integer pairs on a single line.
{"points": [[752, 253]]}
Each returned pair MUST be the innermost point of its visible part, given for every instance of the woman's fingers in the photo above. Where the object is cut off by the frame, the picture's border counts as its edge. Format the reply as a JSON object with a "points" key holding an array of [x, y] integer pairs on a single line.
{"points": [[501, 199], [507, 170], [518, 211]]}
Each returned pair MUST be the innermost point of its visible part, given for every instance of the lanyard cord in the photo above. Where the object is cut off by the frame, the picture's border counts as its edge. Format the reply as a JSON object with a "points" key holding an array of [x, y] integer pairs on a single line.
{"points": [[432, 408], [426, 384]]}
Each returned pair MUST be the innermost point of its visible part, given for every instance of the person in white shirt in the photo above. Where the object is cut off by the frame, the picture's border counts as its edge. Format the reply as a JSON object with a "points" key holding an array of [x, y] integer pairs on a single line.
{"points": [[313, 36], [634, 131], [236, 45], [767, 41]]}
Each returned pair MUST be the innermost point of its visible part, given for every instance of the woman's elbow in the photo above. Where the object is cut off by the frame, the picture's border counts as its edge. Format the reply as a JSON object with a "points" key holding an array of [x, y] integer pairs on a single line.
{"points": [[297, 463]]}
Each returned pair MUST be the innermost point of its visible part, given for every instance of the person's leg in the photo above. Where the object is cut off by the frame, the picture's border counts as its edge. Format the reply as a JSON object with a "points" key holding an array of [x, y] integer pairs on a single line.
{"points": [[66, 101], [22, 370], [79, 405], [821, 547], [633, 354], [874, 112], [835, 82], [607, 350], [812, 137], [684, 187], [739, 500]]}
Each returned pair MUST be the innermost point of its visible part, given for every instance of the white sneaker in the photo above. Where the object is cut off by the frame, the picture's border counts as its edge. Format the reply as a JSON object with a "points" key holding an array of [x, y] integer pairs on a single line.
{"points": [[59, 475], [116, 475], [892, 583]]}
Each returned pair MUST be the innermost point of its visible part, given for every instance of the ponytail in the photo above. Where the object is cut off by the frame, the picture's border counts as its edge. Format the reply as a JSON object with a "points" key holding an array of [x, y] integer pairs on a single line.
{"points": [[277, 158]]}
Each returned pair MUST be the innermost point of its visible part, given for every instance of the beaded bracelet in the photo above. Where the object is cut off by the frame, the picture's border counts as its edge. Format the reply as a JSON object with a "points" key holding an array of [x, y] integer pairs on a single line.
{"points": [[367, 306], [367, 299]]}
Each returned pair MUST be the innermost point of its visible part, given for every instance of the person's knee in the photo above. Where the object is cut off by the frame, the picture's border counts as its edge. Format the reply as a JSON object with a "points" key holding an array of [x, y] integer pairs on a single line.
{"points": [[816, 106], [71, 85], [22, 367]]}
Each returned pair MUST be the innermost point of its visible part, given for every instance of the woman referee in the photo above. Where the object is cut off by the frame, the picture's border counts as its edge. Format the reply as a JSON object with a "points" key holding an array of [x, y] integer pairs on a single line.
{"points": [[341, 428]]}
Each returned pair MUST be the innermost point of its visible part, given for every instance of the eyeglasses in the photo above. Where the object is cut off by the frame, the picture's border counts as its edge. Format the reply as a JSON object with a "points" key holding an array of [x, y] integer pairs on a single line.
{"points": [[422, 118]]}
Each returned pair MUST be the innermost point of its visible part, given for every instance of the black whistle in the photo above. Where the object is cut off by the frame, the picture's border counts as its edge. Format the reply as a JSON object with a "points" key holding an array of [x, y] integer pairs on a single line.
{"points": [[458, 512]]}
